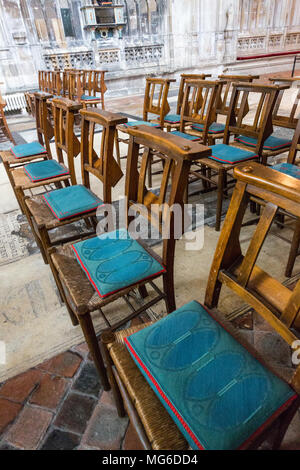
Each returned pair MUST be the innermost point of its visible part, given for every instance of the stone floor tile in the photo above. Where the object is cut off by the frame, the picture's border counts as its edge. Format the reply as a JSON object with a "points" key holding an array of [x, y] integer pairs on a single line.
{"points": [[82, 349], [61, 440], [105, 430], [29, 428], [8, 412], [49, 392], [272, 348], [88, 381], [75, 413], [18, 388], [131, 440], [65, 364]]}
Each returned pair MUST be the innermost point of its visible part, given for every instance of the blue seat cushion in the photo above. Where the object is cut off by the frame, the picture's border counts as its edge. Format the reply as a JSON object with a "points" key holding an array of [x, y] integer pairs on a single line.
{"points": [[87, 97], [114, 261], [218, 394], [186, 136], [228, 154], [139, 123], [172, 118], [288, 169], [71, 201], [28, 150], [214, 128], [271, 143], [44, 170]]}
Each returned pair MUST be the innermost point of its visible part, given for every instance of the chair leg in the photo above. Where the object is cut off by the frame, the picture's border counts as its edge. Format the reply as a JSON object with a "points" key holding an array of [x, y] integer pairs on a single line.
{"points": [[86, 324], [221, 179], [294, 249], [117, 144], [143, 291], [107, 338], [168, 283], [8, 172]]}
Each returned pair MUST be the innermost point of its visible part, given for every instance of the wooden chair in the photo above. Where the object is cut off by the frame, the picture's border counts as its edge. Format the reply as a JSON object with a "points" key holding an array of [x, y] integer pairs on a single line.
{"points": [[83, 297], [274, 145], [102, 165], [93, 83], [172, 121], [208, 385], [42, 150], [225, 156], [46, 174], [216, 129]]}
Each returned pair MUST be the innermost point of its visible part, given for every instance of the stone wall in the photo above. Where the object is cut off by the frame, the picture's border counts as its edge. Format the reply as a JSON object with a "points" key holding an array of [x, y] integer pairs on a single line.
{"points": [[148, 37]]}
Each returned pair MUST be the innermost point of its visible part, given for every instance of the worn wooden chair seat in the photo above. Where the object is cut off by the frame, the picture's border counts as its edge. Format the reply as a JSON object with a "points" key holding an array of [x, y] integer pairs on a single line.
{"points": [[160, 430], [127, 263], [22, 181], [219, 391], [9, 158]]}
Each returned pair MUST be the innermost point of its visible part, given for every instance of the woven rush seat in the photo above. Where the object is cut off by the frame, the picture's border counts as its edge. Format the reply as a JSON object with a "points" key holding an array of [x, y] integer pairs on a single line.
{"points": [[161, 430], [8, 157], [21, 179]]}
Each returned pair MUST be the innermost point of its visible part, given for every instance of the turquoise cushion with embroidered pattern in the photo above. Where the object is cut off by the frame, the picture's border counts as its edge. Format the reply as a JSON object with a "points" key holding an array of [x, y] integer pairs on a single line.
{"points": [[114, 261], [217, 393], [271, 143], [186, 136], [288, 169], [139, 123], [87, 97], [172, 118], [28, 150], [214, 128], [71, 201], [47, 169], [228, 154]]}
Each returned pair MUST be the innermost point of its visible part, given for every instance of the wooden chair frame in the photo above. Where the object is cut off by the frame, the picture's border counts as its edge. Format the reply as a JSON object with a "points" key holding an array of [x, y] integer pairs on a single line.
{"points": [[260, 129], [276, 303], [21, 182], [44, 134], [80, 296], [102, 165]]}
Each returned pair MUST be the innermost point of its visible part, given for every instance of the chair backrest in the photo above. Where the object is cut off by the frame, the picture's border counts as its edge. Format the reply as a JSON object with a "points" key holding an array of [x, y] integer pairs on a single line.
{"points": [[259, 126], [94, 81], [44, 126], [75, 84], [178, 156], [239, 271], [199, 104], [225, 92], [183, 78], [279, 118], [101, 164], [154, 104], [64, 111]]}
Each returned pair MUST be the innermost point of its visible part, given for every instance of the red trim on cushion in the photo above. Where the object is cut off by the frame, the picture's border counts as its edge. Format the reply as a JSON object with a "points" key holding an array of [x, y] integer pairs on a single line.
{"points": [[44, 179], [117, 290], [27, 156], [165, 398], [72, 215], [265, 146], [172, 122], [232, 163]]}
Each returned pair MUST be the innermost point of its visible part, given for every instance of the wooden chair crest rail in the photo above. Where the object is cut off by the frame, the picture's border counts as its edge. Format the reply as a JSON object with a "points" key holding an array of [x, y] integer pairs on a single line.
{"points": [[181, 394], [83, 296]]}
